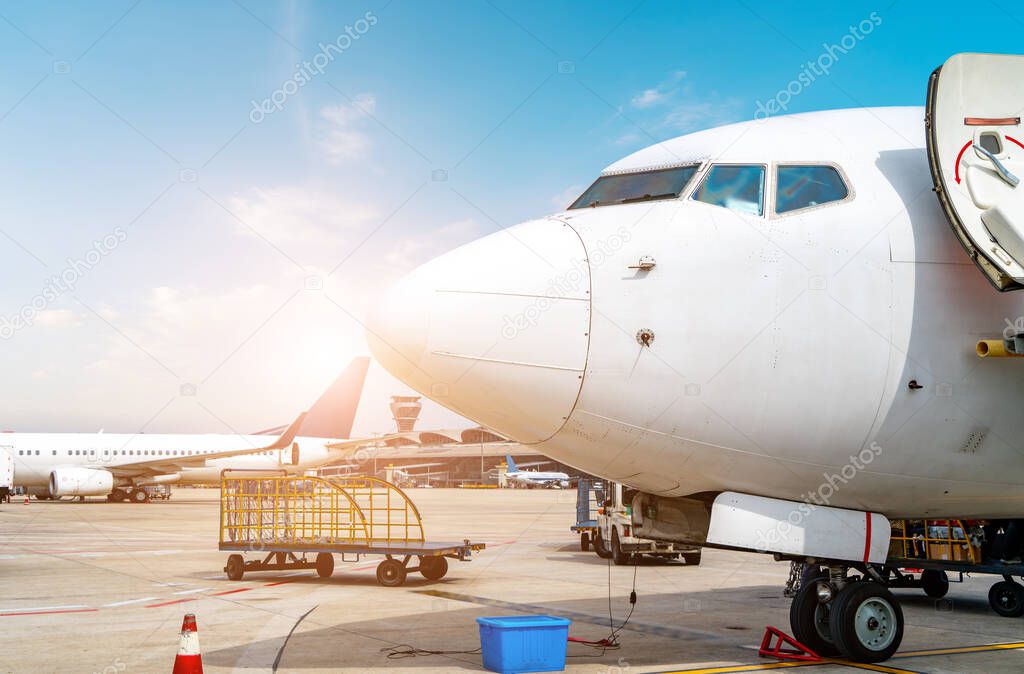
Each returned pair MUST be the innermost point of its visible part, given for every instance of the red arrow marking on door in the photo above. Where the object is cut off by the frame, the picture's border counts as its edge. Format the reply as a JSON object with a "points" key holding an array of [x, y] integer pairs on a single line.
{"points": [[961, 155]]}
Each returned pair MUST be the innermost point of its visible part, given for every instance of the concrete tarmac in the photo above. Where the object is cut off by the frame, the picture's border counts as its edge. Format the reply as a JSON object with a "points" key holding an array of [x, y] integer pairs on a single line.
{"points": [[102, 587]]}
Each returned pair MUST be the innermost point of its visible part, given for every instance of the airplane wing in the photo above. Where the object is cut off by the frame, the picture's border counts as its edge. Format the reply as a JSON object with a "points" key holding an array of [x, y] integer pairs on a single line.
{"points": [[172, 464], [532, 463], [419, 465], [350, 447]]}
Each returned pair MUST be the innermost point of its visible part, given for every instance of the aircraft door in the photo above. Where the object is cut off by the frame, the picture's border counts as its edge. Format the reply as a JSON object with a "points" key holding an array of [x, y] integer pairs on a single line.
{"points": [[6, 467], [295, 453], [976, 154]]}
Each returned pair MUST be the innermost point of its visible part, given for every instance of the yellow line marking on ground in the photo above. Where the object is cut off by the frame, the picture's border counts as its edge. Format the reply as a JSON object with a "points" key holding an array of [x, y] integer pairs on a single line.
{"points": [[875, 668], [856, 665], [747, 668], [965, 649]]}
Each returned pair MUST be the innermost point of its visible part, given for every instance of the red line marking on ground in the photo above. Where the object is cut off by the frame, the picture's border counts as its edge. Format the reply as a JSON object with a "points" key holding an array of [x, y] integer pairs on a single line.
{"points": [[280, 582], [67, 610], [168, 603], [221, 594]]}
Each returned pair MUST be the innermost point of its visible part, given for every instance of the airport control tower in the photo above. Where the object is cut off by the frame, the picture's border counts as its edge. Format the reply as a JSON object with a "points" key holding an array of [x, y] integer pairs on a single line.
{"points": [[405, 410]]}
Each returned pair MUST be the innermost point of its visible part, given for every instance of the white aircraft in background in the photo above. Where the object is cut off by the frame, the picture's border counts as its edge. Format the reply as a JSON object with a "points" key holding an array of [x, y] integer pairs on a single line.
{"points": [[534, 478], [769, 330], [53, 465]]}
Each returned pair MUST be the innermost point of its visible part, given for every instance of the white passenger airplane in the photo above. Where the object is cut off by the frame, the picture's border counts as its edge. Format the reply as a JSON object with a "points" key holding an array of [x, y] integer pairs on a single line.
{"points": [[768, 329], [53, 465], [535, 478]]}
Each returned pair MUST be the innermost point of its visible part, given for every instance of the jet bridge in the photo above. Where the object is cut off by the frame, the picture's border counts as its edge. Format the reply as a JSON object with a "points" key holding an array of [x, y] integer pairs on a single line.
{"points": [[976, 155]]}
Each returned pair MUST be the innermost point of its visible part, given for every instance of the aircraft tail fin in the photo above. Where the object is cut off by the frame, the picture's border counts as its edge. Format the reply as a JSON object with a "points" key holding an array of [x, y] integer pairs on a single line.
{"points": [[511, 464], [333, 414]]}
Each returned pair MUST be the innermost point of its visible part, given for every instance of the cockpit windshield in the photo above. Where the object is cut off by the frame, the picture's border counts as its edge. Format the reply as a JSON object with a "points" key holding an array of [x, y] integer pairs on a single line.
{"points": [[626, 188]]}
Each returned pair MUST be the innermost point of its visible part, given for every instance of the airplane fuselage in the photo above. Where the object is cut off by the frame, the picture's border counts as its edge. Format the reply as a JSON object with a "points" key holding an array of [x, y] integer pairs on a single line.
{"points": [[37, 454], [679, 347]]}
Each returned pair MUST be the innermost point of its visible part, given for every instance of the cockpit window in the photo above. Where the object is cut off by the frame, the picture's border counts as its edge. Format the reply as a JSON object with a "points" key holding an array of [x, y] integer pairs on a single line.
{"points": [[734, 186], [627, 188], [799, 187]]}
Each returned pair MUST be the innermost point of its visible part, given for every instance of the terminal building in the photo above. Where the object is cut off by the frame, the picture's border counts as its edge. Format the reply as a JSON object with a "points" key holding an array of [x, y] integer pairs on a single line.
{"points": [[439, 458]]}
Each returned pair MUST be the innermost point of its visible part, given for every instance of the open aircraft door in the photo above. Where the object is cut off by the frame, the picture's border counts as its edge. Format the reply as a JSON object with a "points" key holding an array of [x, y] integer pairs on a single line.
{"points": [[976, 155], [6, 466]]}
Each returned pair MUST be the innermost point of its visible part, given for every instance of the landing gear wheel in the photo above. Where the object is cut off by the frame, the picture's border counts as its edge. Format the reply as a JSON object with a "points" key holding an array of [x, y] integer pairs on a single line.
{"points": [[235, 567], [324, 564], [866, 622], [1007, 598], [935, 583], [691, 558], [391, 573], [584, 542], [619, 557], [140, 496], [809, 619], [600, 547], [433, 568]]}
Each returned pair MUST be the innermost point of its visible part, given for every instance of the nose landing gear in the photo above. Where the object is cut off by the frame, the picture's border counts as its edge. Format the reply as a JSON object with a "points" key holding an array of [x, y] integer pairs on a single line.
{"points": [[855, 617]]}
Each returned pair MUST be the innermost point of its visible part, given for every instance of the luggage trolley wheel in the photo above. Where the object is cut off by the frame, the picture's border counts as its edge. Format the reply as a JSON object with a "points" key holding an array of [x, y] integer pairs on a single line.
{"points": [[235, 567], [324, 564], [433, 568], [1007, 598], [934, 583], [391, 573], [584, 541]]}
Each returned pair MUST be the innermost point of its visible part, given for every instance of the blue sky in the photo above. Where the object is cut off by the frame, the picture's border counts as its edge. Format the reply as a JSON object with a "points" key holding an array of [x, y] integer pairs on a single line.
{"points": [[430, 125]]}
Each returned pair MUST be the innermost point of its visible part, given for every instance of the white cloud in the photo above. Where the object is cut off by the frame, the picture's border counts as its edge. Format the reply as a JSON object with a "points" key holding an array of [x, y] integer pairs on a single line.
{"points": [[56, 318], [412, 250], [647, 98], [660, 94], [701, 114], [294, 214], [344, 138], [562, 200], [672, 106]]}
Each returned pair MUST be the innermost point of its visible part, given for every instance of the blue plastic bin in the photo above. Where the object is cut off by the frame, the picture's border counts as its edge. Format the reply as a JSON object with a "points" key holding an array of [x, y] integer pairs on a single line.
{"points": [[531, 643]]}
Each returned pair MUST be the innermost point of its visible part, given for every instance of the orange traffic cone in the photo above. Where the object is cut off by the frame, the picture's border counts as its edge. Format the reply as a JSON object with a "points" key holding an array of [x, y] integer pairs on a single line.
{"points": [[26, 499], [189, 659]]}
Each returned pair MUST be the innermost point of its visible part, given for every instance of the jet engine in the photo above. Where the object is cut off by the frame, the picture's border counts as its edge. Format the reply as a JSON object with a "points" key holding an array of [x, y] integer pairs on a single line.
{"points": [[73, 481]]}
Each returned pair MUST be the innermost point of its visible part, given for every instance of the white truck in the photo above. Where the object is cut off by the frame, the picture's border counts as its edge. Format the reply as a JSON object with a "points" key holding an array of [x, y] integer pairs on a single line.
{"points": [[614, 538]]}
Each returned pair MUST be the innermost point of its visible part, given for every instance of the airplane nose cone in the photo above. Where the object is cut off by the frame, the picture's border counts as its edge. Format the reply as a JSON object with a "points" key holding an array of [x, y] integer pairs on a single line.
{"points": [[496, 330]]}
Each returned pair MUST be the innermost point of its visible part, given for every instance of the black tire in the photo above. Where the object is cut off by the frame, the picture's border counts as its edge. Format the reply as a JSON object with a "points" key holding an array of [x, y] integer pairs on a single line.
{"points": [[809, 620], [434, 568], [584, 541], [391, 573], [619, 558], [139, 496], [235, 567], [600, 547], [1007, 598], [691, 558], [866, 622], [935, 583], [324, 564]]}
